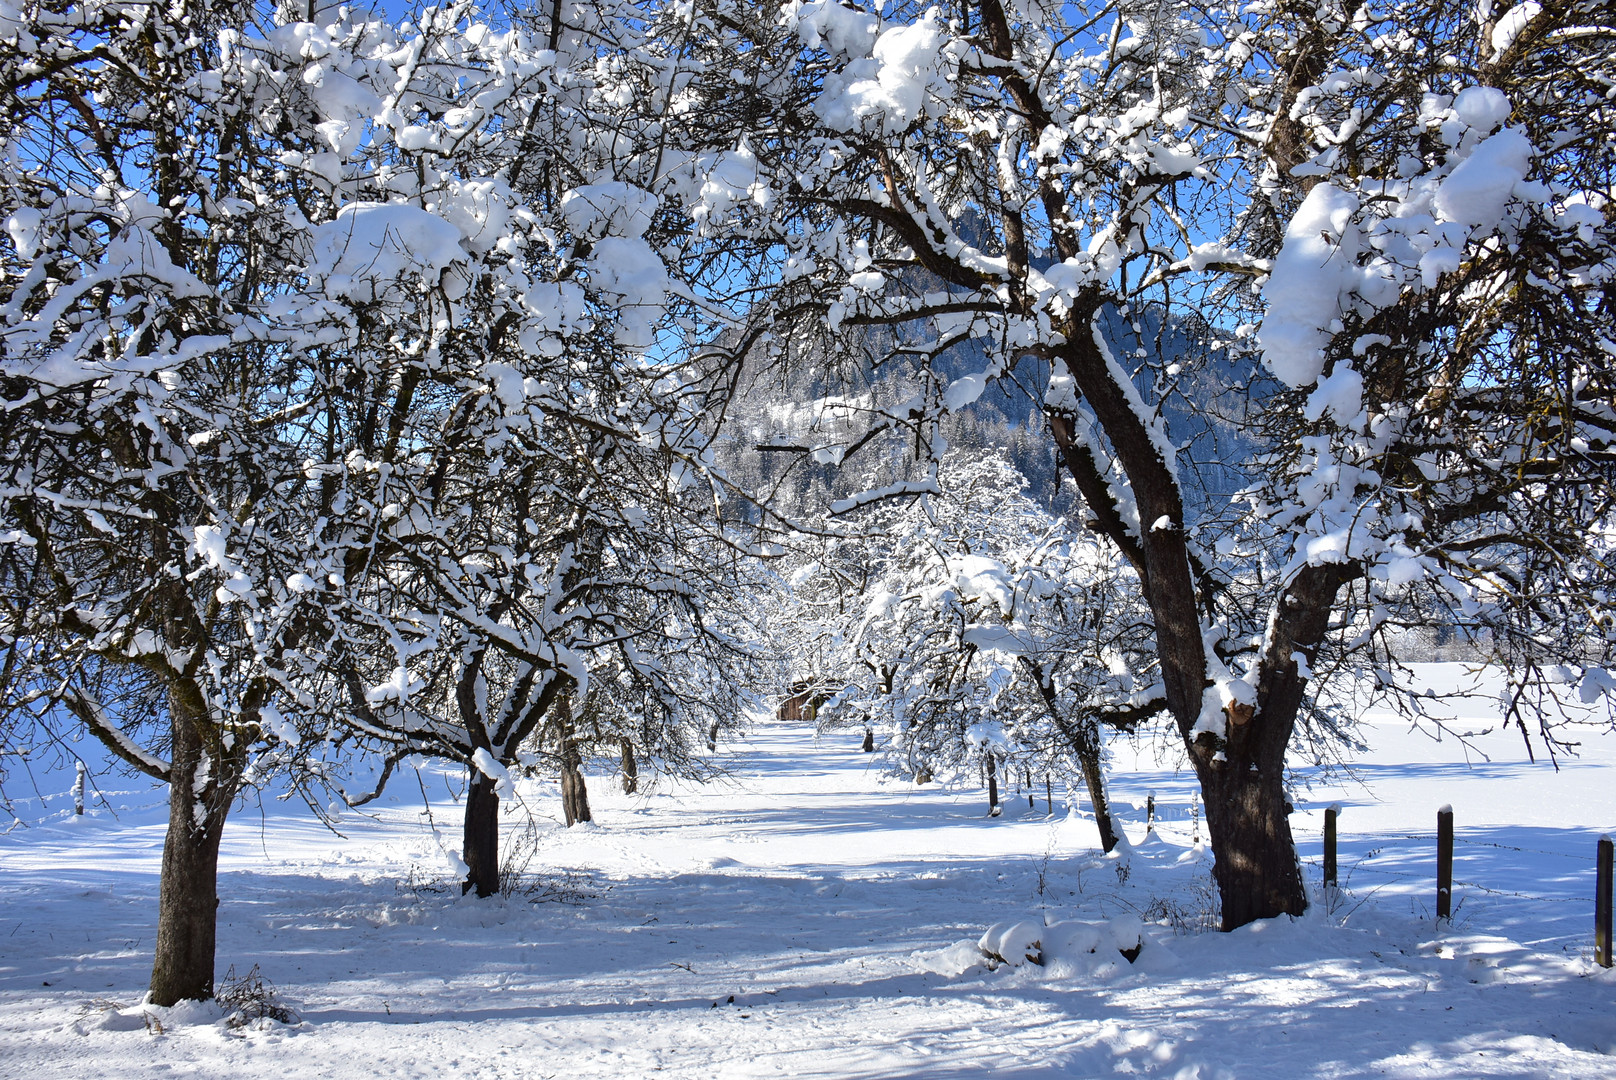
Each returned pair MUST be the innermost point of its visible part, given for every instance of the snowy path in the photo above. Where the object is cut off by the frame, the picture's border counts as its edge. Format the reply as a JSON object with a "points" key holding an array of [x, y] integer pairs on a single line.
{"points": [[803, 889]]}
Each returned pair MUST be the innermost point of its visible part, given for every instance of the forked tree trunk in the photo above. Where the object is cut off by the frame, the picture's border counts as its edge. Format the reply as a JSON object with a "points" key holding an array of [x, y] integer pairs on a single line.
{"points": [[631, 767], [574, 793], [480, 837], [1254, 854], [1242, 777], [1242, 782], [200, 792]]}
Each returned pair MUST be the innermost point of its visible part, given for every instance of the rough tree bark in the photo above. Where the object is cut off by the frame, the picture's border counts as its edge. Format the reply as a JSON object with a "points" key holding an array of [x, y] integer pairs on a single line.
{"points": [[574, 793], [1245, 793], [201, 789], [631, 767], [480, 837]]}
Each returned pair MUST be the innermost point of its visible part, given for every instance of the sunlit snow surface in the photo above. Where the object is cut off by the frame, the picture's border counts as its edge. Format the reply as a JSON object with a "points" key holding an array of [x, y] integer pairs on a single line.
{"points": [[831, 906]]}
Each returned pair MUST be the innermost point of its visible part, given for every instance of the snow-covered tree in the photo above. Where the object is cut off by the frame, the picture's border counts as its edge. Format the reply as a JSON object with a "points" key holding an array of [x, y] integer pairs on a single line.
{"points": [[169, 399], [1394, 224], [328, 386], [977, 635], [542, 507]]}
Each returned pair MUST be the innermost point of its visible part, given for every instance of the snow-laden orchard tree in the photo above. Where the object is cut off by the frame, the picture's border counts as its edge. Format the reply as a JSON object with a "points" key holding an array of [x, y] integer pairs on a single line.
{"points": [[326, 380], [167, 395], [983, 637], [551, 587], [548, 568], [1394, 222]]}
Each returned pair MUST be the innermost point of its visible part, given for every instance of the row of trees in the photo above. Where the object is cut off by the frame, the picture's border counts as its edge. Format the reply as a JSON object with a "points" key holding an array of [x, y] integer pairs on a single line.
{"points": [[329, 413], [369, 382], [971, 633], [1395, 224]]}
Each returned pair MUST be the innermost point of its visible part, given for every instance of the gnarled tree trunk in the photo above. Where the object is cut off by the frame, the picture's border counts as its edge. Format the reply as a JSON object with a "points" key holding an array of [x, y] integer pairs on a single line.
{"points": [[480, 836], [1247, 815], [1241, 776], [574, 793], [631, 767], [1255, 856], [200, 792]]}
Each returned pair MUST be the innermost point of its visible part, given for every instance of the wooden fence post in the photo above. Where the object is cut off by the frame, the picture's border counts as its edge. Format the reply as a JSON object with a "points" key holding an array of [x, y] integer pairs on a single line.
{"points": [[1150, 812], [1444, 863], [1329, 845], [1602, 900]]}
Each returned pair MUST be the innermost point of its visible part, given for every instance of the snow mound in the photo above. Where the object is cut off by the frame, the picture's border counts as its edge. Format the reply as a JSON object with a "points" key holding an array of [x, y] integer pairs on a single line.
{"points": [[957, 959], [1479, 190], [1072, 949], [190, 1016]]}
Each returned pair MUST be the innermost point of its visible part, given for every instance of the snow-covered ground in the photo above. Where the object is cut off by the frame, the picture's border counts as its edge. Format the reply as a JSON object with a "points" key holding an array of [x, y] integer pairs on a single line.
{"points": [[804, 919]]}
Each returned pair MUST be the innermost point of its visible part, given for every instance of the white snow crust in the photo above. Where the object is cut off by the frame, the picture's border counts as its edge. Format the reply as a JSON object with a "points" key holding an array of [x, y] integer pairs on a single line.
{"points": [[806, 918]]}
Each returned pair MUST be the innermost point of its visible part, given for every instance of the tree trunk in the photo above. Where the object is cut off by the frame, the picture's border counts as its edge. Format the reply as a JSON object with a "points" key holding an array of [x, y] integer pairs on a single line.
{"points": [[574, 793], [1083, 736], [1254, 855], [869, 740], [1094, 780], [480, 838], [631, 767], [1242, 776], [993, 786], [200, 792], [1242, 781]]}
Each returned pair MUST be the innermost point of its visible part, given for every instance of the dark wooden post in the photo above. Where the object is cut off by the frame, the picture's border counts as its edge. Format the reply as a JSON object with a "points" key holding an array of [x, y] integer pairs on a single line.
{"points": [[1602, 900], [1444, 863], [1330, 815], [1150, 812], [78, 790]]}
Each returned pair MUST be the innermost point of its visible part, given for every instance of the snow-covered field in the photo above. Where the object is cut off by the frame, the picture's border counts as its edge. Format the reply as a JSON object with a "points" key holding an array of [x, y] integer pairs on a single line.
{"points": [[804, 919]]}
